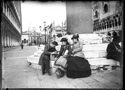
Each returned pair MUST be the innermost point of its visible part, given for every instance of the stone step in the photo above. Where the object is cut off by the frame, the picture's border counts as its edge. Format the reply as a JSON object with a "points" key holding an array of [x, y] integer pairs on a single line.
{"points": [[95, 54], [96, 64]]}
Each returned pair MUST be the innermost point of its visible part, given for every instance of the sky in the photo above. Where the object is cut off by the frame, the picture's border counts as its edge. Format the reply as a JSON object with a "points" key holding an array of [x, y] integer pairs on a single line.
{"points": [[35, 13]]}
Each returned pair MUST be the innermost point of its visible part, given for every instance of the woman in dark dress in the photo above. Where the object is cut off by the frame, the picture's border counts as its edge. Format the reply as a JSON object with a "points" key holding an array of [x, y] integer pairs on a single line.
{"points": [[114, 49], [77, 65]]}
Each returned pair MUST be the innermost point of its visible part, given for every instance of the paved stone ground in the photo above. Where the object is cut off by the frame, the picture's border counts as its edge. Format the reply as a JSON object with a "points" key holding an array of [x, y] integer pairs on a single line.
{"points": [[17, 74]]}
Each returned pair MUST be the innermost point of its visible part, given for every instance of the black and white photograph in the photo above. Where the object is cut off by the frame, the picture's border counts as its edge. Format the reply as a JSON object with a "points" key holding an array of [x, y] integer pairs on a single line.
{"points": [[62, 44]]}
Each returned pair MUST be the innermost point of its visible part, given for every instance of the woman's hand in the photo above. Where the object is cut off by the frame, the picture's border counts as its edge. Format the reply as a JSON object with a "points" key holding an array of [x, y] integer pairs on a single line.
{"points": [[119, 50], [54, 53], [64, 56], [56, 59], [73, 51]]}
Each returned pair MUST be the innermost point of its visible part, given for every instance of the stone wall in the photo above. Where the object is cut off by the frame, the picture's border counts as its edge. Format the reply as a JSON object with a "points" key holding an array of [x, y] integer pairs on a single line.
{"points": [[79, 17]]}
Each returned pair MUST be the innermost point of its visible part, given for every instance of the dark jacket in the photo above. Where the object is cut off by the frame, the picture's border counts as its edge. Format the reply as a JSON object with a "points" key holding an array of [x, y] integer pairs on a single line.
{"points": [[63, 49], [46, 52], [112, 52]]}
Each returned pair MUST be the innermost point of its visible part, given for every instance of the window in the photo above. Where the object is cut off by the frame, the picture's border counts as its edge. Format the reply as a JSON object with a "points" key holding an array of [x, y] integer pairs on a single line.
{"points": [[119, 21], [105, 25], [3, 6], [115, 22], [110, 23], [105, 9], [96, 14], [7, 11], [94, 27], [100, 26]]}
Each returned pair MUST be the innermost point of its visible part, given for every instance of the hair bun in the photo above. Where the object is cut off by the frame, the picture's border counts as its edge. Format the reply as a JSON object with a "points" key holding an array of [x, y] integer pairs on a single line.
{"points": [[75, 36]]}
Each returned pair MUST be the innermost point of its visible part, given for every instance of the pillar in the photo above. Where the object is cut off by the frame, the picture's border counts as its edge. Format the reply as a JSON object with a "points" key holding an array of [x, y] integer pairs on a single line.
{"points": [[5, 40], [8, 39], [12, 40], [2, 40]]}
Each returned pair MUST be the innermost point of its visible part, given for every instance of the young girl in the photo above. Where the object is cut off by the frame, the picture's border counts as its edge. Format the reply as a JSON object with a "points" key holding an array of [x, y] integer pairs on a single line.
{"points": [[61, 61]]}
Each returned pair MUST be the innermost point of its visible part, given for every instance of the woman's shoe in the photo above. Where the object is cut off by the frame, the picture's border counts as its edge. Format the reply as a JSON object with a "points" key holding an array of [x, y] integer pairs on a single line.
{"points": [[49, 73], [43, 73], [59, 73]]}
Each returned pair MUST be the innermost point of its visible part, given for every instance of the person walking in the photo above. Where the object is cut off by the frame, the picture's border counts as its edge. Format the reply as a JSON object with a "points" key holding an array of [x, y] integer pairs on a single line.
{"points": [[22, 45]]}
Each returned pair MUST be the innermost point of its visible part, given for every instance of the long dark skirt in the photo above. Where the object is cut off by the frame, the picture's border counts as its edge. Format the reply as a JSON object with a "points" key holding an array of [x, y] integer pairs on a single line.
{"points": [[77, 67], [41, 59], [44, 61], [115, 56]]}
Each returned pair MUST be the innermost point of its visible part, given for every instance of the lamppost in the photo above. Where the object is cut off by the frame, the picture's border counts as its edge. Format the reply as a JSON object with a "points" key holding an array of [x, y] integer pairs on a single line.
{"points": [[39, 36], [45, 30]]}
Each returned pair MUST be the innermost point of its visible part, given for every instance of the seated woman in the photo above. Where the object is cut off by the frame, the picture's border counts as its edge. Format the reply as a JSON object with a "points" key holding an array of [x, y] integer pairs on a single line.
{"points": [[60, 62], [114, 49], [77, 65]]}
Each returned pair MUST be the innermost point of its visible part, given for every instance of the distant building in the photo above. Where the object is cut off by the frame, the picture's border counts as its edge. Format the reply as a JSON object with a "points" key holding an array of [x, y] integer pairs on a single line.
{"points": [[33, 37], [107, 16], [11, 23], [59, 30], [79, 17]]}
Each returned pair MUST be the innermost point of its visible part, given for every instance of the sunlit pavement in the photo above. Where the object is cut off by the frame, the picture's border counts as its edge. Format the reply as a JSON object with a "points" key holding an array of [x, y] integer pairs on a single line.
{"points": [[17, 74], [15, 70]]}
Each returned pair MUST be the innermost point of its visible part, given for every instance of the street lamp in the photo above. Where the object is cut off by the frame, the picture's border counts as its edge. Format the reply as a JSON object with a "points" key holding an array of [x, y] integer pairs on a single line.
{"points": [[39, 36], [45, 30]]}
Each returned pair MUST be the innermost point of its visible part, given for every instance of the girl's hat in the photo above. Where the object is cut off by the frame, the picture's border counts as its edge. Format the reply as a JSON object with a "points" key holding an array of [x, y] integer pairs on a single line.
{"points": [[64, 40], [75, 36], [55, 43]]}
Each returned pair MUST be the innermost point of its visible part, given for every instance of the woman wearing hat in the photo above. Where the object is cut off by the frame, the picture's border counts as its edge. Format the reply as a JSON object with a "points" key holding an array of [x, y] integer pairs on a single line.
{"points": [[77, 65], [114, 50], [61, 61]]}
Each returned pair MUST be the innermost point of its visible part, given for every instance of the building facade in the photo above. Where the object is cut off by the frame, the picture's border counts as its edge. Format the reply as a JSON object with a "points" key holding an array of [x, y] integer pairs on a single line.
{"points": [[32, 37], [107, 16], [11, 23], [59, 30], [79, 17]]}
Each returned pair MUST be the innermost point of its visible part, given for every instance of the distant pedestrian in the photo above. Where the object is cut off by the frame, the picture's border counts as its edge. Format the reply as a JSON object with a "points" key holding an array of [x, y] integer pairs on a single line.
{"points": [[21, 45]]}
